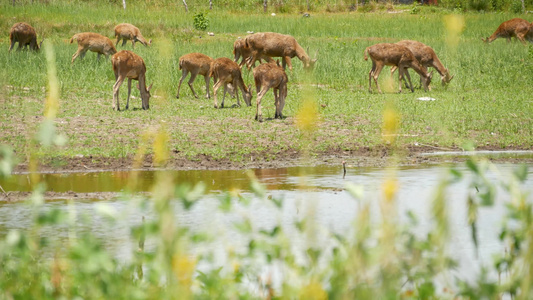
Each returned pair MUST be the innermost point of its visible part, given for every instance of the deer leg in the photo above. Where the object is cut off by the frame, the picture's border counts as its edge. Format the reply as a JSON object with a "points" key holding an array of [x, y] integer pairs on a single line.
{"points": [[277, 103], [406, 73], [76, 55], [236, 91], [259, 113], [124, 40], [184, 73], [375, 75], [12, 44], [116, 89], [129, 93], [224, 96], [191, 80], [250, 61], [216, 86], [520, 37], [207, 78], [133, 43]]}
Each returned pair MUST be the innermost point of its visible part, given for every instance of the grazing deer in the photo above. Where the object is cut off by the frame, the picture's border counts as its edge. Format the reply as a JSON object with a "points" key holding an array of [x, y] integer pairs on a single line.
{"points": [[25, 35], [127, 32], [127, 64], [277, 45], [94, 42], [267, 76], [225, 71], [427, 57], [394, 55], [518, 28], [195, 63], [240, 50]]}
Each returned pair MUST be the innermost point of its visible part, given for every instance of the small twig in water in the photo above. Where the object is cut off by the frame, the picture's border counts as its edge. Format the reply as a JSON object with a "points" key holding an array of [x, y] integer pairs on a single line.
{"points": [[344, 167]]}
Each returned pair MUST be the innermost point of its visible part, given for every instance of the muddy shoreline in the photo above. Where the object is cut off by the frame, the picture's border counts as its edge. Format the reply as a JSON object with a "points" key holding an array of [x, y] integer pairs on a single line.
{"points": [[360, 158]]}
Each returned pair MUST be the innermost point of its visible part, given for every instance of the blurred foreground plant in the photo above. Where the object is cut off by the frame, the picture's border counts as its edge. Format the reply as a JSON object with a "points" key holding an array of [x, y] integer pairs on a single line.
{"points": [[353, 266]]}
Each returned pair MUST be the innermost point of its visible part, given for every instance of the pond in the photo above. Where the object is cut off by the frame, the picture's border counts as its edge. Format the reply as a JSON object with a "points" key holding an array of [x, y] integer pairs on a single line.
{"points": [[318, 192]]}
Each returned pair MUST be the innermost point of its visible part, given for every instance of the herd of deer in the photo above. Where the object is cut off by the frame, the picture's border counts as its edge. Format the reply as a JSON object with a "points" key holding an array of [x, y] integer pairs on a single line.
{"points": [[257, 47]]}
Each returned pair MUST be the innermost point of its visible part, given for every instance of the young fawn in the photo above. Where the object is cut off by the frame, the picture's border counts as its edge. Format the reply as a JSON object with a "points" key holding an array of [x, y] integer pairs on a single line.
{"points": [[94, 42], [225, 71], [266, 76], [25, 35], [127, 64], [195, 63]]}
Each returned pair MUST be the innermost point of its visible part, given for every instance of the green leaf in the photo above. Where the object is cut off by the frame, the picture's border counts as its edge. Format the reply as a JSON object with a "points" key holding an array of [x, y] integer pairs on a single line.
{"points": [[521, 173], [225, 202]]}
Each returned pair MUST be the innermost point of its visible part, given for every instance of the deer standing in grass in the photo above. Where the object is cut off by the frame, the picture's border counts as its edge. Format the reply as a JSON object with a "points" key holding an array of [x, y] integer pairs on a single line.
{"points": [[127, 64], [518, 28], [94, 42], [225, 71], [394, 55], [273, 44], [195, 63], [266, 76], [25, 35], [127, 32], [427, 57], [240, 50]]}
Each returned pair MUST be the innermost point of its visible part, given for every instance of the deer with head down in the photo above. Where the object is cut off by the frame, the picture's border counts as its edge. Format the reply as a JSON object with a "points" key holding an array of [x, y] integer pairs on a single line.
{"points": [[127, 64], [273, 44], [94, 42], [126, 31], [195, 63], [224, 72], [394, 55], [518, 28], [240, 50], [266, 76], [25, 35], [427, 57]]}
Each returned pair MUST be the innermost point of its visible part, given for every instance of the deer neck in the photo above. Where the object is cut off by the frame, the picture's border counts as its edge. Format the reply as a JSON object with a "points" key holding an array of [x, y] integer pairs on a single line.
{"points": [[440, 68], [420, 69], [300, 53]]}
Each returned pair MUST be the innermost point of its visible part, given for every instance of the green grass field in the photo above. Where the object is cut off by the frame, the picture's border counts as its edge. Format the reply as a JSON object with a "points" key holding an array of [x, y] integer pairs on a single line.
{"points": [[488, 103]]}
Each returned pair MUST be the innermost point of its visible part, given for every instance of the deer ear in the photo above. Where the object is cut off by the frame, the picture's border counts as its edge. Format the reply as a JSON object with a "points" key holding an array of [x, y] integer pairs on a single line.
{"points": [[150, 42], [149, 88]]}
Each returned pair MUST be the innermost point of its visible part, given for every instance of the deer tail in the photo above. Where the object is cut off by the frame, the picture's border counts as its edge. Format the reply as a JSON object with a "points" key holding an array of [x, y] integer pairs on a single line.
{"points": [[181, 63], [365, 52], [73, 38]]}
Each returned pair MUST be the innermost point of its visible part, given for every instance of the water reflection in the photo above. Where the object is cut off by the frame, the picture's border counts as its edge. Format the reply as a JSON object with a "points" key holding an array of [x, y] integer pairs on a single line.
{"points": [[317, 191]]}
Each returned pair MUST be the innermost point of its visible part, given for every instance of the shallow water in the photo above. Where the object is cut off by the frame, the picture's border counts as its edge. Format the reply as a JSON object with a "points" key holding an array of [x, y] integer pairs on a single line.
{"points": [[314, 191]]}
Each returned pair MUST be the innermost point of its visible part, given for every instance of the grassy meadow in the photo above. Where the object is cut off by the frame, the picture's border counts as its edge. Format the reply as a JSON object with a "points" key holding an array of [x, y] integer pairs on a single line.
{"points": [[488, 104]]}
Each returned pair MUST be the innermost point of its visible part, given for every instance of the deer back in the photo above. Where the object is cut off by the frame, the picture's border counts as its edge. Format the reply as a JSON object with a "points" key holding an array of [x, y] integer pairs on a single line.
{"points": [[196, 61]]}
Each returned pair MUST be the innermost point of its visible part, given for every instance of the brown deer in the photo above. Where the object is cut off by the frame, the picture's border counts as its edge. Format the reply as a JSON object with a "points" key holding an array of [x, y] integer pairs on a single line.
{"points": [[94, 42], [266, 76], [277, 45], [195, 63], [240, 50], [25, 35], [225, 71], [127, 32], [394, 55], [427, 57], [518, 28], [127, 64]]}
